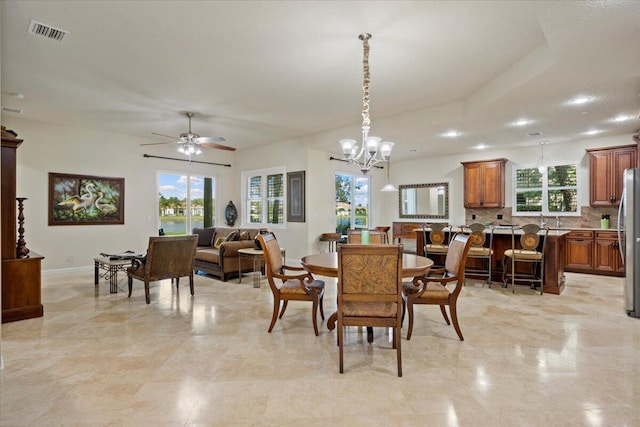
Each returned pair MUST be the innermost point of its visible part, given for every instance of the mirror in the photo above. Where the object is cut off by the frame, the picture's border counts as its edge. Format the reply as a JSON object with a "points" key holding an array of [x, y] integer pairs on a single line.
{"points": [[424, 200]]}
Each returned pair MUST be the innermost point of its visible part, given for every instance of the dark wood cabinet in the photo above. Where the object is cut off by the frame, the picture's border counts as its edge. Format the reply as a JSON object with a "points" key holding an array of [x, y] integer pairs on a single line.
{"points": [[484, 184], [20, 275], [594, 252], [606, 167]]}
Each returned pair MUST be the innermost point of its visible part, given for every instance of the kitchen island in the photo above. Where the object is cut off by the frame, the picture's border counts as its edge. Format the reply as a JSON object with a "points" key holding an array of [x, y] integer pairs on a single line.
{"points": [[554, 255]]}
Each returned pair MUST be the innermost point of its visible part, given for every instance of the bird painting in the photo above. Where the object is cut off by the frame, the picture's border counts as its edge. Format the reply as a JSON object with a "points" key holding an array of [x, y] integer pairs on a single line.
{"points": [[85, 200], [80, 203], [104, 208]]}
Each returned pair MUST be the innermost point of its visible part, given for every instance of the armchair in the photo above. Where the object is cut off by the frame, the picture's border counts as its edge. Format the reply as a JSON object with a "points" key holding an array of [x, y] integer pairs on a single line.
{"points": [[167, 258]]}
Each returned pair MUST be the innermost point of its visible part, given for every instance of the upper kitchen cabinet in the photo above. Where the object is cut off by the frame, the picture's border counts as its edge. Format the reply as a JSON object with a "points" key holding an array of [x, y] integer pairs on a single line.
{"points": [[606, 167], [484, 184]]}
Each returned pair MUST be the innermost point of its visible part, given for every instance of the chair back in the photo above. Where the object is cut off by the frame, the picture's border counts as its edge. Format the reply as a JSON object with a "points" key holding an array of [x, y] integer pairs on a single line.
{"points": [[170, 256], [375, 236], [272, 255], [531, 237], [438, 235], [370, 274], [457, 256]]}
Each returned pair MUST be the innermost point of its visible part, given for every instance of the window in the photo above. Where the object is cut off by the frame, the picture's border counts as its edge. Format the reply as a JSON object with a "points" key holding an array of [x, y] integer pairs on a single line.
{"points": [[185, 202], [264, 197], [550, 191], [352, 202]]}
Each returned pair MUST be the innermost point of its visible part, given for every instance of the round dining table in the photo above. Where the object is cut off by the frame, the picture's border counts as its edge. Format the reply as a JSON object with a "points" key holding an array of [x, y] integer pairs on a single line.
{"points": [[327, 265]]}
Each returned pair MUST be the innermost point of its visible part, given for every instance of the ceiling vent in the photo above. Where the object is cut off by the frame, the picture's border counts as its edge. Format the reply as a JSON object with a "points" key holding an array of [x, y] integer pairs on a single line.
{"points": [[535, 134], [12, 110], [47, 31]]}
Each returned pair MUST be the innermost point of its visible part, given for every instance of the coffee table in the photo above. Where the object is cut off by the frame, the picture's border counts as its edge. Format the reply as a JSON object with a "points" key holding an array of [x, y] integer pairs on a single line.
{"points": [[111, 268]]}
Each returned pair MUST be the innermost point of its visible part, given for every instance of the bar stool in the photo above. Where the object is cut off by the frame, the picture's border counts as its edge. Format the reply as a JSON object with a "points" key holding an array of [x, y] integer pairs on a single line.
{"points": [[480, 249], [331, 238], [533, 241], [384, 229], [439, 239]]}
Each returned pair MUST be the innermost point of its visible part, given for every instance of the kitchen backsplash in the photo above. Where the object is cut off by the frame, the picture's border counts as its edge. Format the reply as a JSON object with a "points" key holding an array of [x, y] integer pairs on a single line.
{"points": [[589, 217]]}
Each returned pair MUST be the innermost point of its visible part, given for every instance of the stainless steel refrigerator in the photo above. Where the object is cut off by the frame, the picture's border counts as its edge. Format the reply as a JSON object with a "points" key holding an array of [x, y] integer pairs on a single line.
{"points": [[629, 223]]}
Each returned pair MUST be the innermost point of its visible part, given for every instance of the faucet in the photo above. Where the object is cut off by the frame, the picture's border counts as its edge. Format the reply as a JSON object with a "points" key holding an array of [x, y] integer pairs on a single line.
{"points": [[543, 221], [558, 222]]}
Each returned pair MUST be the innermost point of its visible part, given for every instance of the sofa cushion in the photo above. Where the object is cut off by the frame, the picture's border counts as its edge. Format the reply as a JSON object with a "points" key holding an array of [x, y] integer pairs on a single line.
{"points": [[205, 236], [244, 235], [219, 241], [208, 254], [232, 237]]}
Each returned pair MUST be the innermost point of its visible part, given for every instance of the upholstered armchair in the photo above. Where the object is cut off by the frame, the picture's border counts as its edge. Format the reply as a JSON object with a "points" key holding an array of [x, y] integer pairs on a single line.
{"points": [[167, 258]]}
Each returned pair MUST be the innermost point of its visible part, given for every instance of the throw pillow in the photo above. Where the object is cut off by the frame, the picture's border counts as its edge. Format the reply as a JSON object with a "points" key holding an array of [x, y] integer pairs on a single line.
{"points": [[205, 235], [244, 236], [219, 242], [232, 236]]}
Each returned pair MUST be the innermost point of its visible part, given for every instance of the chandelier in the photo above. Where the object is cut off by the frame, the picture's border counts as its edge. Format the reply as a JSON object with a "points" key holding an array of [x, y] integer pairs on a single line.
{"points": [[372, 150], [188, 146]]}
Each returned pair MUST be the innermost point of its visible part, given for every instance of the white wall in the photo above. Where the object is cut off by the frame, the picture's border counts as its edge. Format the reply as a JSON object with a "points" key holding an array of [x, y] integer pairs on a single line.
{"points": [[62, 149]]}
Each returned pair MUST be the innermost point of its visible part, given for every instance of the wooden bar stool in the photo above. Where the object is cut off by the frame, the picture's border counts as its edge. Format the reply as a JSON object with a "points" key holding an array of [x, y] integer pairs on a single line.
{"points": [[385, 230]]}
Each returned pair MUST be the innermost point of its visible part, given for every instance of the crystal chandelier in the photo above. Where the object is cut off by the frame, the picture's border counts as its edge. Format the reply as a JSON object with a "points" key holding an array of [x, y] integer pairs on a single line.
{"points": [[372, 150]]}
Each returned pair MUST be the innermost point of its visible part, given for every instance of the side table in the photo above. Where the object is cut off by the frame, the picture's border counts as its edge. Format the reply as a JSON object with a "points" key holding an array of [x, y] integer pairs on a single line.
{"points": [[257, 257], [111, 268]]}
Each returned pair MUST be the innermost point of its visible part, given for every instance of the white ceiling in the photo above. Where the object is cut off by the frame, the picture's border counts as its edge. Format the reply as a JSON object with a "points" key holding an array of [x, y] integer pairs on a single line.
{"points": [[262, 72]]}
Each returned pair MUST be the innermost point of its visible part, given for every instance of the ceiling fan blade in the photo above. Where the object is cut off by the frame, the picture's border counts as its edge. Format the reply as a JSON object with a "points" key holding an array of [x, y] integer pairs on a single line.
{"points": [[166, 136], [159, 143], [218, 146], [210, 139]]}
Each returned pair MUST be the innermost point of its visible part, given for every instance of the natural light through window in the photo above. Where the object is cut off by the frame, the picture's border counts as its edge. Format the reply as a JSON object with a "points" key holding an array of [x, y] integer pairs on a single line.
{"points": [[550, 191], [352, 201], [264, 197], [185, 202]]}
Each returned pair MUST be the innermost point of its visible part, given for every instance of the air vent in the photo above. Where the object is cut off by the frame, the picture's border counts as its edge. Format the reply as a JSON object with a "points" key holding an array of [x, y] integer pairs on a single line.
{"points": [[47, 31], [535, 134], [12, 110]]}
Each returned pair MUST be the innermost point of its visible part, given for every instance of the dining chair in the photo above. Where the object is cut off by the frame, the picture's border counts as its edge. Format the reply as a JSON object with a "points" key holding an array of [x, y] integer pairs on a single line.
{"points": [[433, 289], [369, 291], [289, 287], [533, 240], [168, 257]]}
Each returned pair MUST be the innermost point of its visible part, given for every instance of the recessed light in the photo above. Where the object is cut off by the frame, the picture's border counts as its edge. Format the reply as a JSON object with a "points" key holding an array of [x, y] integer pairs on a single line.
{"points": [[534, 134], [592, 132], [452, 134], [581, 100], [521, 122], [480, 146], [414, 150], [621, 118]]}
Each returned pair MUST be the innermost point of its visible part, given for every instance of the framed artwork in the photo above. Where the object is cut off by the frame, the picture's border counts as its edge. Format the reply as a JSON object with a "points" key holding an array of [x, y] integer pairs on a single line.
{"points": [[295, 197], [85, 200]]}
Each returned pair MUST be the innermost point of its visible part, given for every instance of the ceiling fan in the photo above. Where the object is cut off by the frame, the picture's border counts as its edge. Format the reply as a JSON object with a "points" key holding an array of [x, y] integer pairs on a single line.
{"points": [[189, 143]]}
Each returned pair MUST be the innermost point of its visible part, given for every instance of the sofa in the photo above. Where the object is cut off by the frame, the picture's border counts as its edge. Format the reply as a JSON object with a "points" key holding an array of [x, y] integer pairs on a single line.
{"points": [[217, 250]]}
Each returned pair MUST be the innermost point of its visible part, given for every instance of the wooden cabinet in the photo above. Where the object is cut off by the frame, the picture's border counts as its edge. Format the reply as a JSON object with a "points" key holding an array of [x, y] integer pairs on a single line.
{"points": [[594, 252], [607, 258], [606, 167], [580, 251], [484, 184]]}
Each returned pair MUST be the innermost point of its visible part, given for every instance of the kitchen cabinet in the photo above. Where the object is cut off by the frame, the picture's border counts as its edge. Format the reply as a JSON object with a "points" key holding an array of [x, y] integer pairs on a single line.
{"points": [[594, 252], [484, 184], [606, 167]]}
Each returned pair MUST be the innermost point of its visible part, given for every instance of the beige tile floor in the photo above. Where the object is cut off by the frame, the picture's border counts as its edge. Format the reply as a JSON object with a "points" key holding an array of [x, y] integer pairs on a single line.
{"points": [[527, 360]]}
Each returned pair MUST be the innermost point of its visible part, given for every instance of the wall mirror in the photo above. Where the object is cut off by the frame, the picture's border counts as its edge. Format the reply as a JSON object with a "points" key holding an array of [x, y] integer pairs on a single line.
{"points": [[424, 200]]}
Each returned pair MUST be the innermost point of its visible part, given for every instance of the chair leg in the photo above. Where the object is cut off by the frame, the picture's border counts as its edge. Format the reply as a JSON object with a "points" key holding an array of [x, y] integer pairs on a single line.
{"points": [[276, 309], [130, 285], [340, 345], [454, 318], [146, 291], [177, 282], [284, 307], [314, 315], [444, 314], [396, 333], [321, 307], [410, 330], [404, 308], [191, 282]]}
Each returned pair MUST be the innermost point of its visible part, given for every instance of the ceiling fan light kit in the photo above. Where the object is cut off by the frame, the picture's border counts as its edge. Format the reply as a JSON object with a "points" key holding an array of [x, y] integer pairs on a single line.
{"points": [[189, 143]]}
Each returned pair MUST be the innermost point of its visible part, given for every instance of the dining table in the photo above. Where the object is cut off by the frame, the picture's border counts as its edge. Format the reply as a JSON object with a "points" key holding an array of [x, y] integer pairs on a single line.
{"points": [[326, 264]]}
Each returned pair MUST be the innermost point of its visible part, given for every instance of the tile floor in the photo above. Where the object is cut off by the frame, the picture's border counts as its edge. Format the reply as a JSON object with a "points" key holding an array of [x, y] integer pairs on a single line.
{"points": [[527, 360]]}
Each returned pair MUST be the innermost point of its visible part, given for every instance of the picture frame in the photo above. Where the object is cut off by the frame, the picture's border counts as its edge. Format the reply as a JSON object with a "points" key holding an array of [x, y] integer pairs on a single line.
{"points": [[296, 196], [85, 199]]}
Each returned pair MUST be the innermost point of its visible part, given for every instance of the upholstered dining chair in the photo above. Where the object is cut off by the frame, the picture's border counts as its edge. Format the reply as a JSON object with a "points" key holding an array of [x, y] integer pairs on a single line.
{"points": [[481, 249], [433, 288], [369, 291], [168, 257], [289, 287]]}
